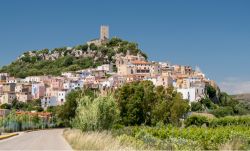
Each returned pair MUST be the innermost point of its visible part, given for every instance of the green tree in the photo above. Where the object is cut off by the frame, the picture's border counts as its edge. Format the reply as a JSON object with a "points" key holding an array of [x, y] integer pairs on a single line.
{"points": [[135, 102], [178, 110], [92, 46], [99, 113], [68, 60], [169, 106], [5, 106], [108, 112], [196, 107], [67, 111], [211, 91], [208, 103], [82, 47], [114, 42]]}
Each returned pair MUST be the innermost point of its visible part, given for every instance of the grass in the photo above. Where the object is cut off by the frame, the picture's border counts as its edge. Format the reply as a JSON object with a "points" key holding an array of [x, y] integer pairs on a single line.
{"points": [[208, 115], [93, 140], [234, 144], [162, 138]]}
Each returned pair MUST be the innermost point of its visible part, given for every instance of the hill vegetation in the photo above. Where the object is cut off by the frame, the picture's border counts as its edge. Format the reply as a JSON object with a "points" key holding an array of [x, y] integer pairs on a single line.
{"points": [[57, 60]]}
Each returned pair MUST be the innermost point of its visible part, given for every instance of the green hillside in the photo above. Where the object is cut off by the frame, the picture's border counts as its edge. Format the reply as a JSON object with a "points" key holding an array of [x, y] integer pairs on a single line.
{"points": [[53, 62]]}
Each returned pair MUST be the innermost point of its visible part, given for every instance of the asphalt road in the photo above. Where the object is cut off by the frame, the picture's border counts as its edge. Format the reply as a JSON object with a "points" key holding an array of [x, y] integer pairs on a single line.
{"points": [[37, 140]]}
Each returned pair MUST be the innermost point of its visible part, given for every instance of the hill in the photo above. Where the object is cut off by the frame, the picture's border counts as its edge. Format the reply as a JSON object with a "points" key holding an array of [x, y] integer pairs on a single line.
{"points": [[243, 98], [57, 60]]}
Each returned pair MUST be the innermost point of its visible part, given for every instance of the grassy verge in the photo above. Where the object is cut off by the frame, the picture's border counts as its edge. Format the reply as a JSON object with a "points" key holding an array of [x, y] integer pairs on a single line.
{"points": [[162, 138], [93, 140]]}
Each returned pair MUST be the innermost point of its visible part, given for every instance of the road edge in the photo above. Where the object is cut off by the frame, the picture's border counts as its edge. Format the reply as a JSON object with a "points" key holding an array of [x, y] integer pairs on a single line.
{"points": [[8, 136]]}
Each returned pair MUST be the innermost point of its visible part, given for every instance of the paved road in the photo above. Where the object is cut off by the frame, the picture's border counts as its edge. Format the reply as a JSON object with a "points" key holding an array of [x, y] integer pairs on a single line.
{"points": [[37, 140]]}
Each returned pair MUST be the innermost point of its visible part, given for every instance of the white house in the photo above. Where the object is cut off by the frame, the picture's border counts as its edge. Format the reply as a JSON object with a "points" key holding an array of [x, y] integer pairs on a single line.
{"points": [[72, 85], [12, 80], [105, 67], [67, 85], [192, 94], [68, 74], [106, 84], [61, 97]]}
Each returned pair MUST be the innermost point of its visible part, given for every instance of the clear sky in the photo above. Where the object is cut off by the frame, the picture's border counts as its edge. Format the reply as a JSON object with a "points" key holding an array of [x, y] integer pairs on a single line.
{"points": [[213, 34]]}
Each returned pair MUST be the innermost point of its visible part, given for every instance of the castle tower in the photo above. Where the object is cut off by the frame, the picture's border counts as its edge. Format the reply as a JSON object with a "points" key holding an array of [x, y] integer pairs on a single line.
{"points": [[104, 33]]}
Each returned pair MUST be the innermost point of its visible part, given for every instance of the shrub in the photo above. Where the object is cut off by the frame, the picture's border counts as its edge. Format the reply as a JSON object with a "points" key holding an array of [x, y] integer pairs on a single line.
{"points": [[96, 114], [208, 103], [107, 113], [223, 111], [196, 106], [86, 115], [230, 120], [196, 120], [67, 111]]}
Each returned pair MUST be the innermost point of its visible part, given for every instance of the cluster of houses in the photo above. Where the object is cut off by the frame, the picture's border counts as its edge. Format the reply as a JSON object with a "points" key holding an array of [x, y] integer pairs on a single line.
{"points": [[52, 90]]}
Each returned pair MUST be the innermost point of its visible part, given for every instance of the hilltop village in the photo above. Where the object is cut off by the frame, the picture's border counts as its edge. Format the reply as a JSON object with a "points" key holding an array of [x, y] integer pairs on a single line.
{"points": [[124, 68]]}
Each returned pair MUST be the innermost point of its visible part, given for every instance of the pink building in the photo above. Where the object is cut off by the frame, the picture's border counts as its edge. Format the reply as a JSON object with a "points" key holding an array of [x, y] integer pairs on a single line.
{"points": [[48, 92], [57, 83], [38, 90]]}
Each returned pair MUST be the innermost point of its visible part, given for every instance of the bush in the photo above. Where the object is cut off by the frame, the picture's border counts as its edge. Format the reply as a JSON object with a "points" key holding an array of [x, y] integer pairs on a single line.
{"points": [[240, 109], [231, 120], [196, 106], [107, 113], [196, 120], [67, 111], [223, 111], [96, 114], [208, 103]]}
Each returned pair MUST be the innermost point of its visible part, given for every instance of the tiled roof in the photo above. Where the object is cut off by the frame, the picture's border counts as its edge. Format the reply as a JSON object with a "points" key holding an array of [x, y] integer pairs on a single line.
{"points": [[140, 62]]}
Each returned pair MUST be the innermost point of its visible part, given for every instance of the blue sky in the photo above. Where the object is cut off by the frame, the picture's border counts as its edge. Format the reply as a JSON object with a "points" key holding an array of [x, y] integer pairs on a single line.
{"points": [[214, 34]]}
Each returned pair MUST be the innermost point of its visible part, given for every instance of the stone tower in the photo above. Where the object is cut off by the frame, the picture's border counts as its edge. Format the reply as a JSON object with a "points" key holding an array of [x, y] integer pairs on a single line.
{"points": [[104, 33]]}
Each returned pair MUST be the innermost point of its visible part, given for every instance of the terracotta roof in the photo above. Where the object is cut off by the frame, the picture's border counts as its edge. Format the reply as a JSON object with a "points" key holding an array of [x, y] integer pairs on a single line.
{"points": [[140, 62], [35, 113]]}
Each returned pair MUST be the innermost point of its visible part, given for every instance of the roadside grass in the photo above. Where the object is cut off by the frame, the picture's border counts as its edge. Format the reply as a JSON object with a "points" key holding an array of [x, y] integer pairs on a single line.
{"points": [[236, 143], [93, 140], [161, 138]]}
